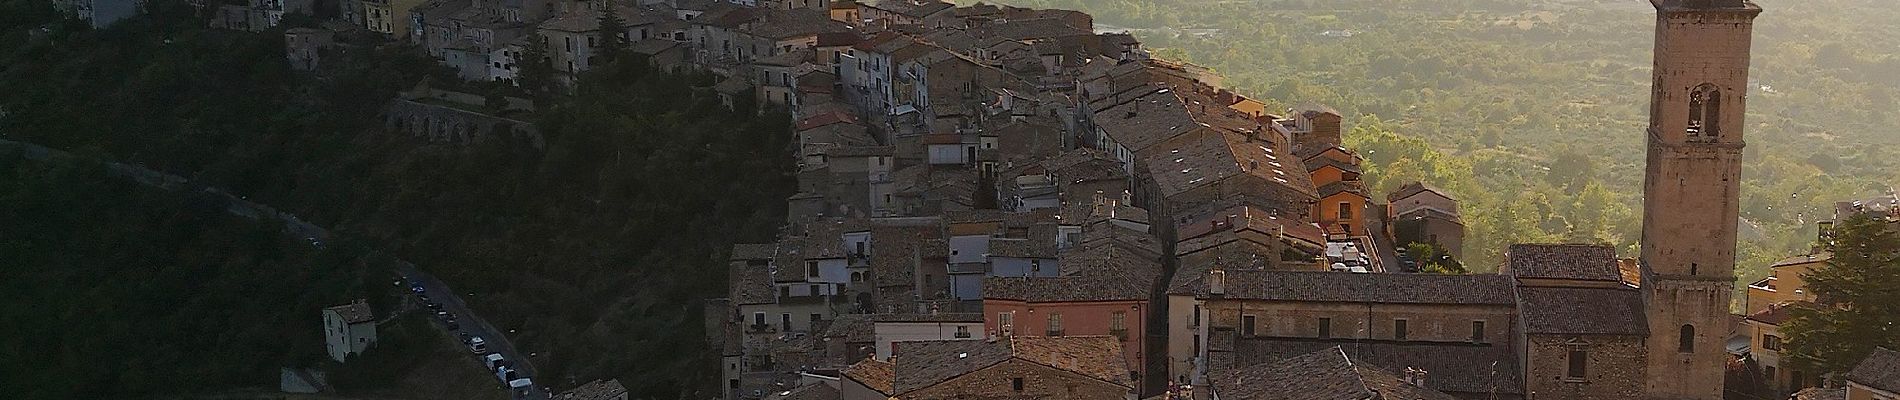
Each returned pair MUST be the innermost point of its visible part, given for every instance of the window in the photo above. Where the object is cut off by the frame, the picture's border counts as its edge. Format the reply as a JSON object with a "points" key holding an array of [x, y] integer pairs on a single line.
{"points": [[1346, 227], [1579, 362], [758, 318], [963, 331], [1055, 324], [815, 318], [1772, 379], [1398, 329], [1477, 331], [1771, 342], [1685, 342], [1246, 325], [1016, 383], [1345, 210], [785, 321], [1705, 111], [1005, 318], [1035, 267], [1325, 328], [1197, 316], [784, 291], [569, 43], [817, 291], [811, 269]]}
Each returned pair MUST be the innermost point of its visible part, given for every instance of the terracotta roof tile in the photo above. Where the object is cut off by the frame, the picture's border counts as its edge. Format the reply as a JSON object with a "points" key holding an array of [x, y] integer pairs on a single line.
{"points": [[1452, 368], [356, 312], [1339, 287], [1587, 262], [921, 364], [596, 390], [874, 374], [1880, 370], [1327, 374], [1582, 311]]}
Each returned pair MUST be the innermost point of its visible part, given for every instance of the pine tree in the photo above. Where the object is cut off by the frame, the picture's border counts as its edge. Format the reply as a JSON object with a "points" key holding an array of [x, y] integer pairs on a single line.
{"points": [[1860, 292], [537, 71], [613, 36]]}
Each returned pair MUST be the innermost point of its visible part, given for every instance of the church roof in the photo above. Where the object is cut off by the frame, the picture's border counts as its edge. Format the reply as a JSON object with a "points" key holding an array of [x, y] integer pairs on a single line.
{"points": [[1582, 311], [1585, 262], [1327, 374]]}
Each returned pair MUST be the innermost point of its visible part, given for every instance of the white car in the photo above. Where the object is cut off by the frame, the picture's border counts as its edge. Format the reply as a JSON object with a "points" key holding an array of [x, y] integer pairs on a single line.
{"points": [[492, 360], [477, 345], [523, 384]]}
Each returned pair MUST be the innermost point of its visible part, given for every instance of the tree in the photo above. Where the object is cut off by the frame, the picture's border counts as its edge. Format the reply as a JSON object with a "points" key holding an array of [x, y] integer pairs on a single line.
{"points": [[1434, 259], [613, 36], [1860, 302], [537, 70]]}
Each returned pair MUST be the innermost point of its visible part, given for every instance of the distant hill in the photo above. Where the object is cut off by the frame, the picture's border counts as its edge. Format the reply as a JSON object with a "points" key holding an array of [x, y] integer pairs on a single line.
{"points": [[1509, 90]]}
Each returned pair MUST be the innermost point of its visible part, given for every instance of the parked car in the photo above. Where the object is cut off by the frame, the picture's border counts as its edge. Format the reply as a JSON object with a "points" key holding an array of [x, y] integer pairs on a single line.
{"points": [[433, 306], [452, 325], [416, 288], [423, 297], [521, 385], [477, 345], [493, 360]]}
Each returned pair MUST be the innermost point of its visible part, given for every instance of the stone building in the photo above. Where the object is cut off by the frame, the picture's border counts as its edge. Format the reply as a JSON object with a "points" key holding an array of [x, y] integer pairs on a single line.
{"points": [[348, 329], [1691, 190], [1072, 367], [304, 47], [1421, 213], [1326, 374], [1876, 378], [1583, 327]]}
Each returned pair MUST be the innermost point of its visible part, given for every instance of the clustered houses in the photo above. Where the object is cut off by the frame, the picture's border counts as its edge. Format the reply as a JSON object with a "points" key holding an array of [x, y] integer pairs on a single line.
{"points": [[999, 202], [1772, 300]]}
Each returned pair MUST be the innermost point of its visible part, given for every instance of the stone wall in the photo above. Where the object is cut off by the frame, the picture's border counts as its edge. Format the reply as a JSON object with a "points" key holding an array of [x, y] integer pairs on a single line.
{"points": [[1615, 369], [444, 124]]}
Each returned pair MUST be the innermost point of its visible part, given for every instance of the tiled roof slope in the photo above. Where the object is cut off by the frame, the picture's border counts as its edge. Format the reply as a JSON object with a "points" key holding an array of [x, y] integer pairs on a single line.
{"points": [[1579, 311], [1588, 262], [1327, 374], [1322, 286], [1880, 370]]}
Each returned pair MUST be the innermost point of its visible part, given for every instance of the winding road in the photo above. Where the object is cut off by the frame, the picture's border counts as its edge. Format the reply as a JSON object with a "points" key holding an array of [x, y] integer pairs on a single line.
{"points": [[240, 206]]}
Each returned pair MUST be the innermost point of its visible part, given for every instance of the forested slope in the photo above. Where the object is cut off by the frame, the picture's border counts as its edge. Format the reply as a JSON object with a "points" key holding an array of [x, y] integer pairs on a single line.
{"points": [[596, 249]]}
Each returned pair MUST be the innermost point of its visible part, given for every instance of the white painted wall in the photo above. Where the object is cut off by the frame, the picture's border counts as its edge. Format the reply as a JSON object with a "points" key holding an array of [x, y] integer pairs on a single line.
{"points": [[889, 332]]}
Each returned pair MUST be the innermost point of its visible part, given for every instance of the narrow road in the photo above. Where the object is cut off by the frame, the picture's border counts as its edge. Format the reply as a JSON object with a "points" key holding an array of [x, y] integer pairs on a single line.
{"points": [[243, 207]]}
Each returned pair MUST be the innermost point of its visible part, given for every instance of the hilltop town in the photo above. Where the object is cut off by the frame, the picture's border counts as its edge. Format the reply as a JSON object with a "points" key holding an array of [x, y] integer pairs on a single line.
{"points": [[997, 202]]}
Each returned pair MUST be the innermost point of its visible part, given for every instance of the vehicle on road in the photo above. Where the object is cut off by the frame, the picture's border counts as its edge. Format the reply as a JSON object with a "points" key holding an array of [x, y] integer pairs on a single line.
{"points": [[452, 325], [521, 386], [416, 288], [493, 360], [477, 345], [434, 306]]}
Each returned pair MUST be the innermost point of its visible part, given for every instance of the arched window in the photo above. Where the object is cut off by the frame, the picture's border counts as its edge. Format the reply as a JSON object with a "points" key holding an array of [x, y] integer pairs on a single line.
{"points": [[1705, 110], [1686, 342]]}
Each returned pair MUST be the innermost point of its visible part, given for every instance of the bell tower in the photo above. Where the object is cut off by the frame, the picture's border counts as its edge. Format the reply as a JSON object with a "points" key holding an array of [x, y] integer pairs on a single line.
{"points": [[1691, 190]]}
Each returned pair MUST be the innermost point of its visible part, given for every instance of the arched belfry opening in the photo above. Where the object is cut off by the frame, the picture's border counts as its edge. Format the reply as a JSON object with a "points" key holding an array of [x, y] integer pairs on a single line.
{"points": [[1705, 111]]}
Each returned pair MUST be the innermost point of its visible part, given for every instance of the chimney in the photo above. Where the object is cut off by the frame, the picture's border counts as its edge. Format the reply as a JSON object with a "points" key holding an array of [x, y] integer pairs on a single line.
{"points": [[1127, 198], [1217, 282]]}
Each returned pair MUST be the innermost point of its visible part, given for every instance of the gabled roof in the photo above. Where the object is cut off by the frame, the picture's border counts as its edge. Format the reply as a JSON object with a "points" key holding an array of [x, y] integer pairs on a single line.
{"points": [[816, 391], [911, 8], [354, 313], [922, 364], [821, 120], [1582, 262], [1880, 370], [1776, 314], [1461, 368], [1583, 311], [1414, 188], [1354, 187], [596, 390], [1322, 375], [1339, 287], [873, 374]]}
